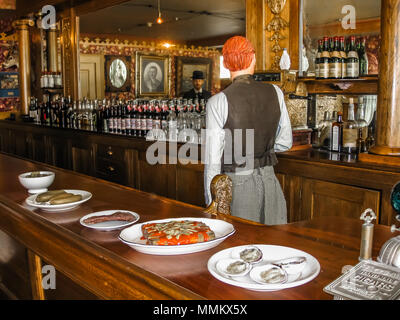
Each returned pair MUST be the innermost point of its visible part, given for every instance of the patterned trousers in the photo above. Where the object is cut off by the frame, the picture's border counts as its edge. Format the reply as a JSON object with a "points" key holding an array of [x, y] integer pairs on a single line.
{"points": [[258, 197]]}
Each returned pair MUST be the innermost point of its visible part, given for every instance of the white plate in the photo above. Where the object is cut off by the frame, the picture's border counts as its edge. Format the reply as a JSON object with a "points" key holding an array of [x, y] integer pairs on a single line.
{"points": [[108, 225], [131, 236], [270, 253], [59, 207]]}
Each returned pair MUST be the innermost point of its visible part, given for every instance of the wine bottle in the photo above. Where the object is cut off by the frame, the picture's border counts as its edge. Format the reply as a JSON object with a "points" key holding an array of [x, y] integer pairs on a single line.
{"points": [[352, 61]]}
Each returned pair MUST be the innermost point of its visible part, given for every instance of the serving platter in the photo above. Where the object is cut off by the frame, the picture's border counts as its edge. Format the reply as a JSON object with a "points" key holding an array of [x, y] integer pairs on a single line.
{"points": [[108, 225], [271, 253], [132, 237], [31, 201]]}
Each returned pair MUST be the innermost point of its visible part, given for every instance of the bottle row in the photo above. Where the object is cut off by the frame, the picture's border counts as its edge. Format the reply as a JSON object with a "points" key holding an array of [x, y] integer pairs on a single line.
{"points": [[172, 120], [341, 59], [354, 135], [50, 80]]}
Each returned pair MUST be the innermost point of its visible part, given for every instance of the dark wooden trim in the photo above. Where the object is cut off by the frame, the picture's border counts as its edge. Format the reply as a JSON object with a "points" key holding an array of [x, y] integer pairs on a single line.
{"points": [[35, 270]]}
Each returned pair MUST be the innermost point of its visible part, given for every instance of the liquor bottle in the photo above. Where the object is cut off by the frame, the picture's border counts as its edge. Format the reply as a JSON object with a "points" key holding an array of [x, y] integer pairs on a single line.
{"points": [[363, 58], [350, 132], [352, 61], [123, 116], [111, 118], [335, 62], [143, 120], [370, 141], [325, 131], [164, 115], [343, 55], [360, 142], [157, 117], [133, 118], [32, 110], [106, 117], [172, 123], [317, 58], [119, 115], [360, 117], [128, 127], [49, 120], [324, 60], [139, 120], [337, 130]]}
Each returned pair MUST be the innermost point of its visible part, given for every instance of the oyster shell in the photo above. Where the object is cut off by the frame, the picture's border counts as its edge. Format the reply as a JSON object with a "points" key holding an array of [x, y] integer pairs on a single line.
{"points": [[250, 254], [269, 274], [233, 267], [291, 265]]}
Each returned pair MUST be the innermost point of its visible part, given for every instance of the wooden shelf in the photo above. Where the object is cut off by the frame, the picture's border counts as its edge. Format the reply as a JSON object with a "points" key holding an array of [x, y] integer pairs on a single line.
{"points": [[363, 85]]}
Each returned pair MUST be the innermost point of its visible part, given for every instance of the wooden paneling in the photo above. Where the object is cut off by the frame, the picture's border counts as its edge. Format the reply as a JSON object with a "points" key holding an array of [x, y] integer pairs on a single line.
{"points": [[14, 270], [82, 157], [320, 198], [190, 186]]}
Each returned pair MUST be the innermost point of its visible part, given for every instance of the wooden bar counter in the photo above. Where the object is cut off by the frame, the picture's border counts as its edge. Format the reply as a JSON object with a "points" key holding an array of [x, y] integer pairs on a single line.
{"points": [[94, 264], [313, 181]]}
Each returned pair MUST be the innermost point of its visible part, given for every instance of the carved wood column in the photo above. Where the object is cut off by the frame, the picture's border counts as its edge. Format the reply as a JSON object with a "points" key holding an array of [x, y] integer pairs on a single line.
{"points": [[271, 26], [388, 108], [70, 53], [22, 27], [255, 26]]}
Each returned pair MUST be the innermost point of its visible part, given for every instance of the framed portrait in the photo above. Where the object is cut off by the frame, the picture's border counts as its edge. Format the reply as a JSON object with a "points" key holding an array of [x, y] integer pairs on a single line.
{"points": [[118, 73], [184, 69], [152, 75]]}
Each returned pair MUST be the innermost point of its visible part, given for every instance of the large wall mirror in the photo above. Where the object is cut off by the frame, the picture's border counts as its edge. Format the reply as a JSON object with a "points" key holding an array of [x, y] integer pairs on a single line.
{"points": [[330, 18], [128, 32]]}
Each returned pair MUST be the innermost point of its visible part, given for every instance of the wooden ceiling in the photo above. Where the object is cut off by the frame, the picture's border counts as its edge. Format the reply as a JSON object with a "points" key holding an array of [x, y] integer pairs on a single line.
{"points": [[184, 20]]}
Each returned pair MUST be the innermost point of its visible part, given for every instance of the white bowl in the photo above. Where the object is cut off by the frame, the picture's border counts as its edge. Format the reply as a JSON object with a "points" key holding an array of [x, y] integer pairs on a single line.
{"points": [[37, 184]]}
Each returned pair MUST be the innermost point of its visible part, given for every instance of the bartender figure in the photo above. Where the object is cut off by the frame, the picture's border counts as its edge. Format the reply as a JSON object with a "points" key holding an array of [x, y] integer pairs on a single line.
{"points": [[246, 124], [197, 92]]}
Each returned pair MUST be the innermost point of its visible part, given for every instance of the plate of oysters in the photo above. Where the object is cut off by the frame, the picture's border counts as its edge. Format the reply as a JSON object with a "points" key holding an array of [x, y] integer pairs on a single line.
{"points": [[262, 267], [58, 200]]}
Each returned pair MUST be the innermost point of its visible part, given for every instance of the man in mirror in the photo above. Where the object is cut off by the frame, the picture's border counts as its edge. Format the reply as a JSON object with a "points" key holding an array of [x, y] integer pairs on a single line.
{"points": [[197, 92]]}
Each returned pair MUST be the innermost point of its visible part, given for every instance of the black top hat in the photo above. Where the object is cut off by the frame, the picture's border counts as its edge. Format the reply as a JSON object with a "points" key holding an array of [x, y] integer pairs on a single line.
{"points": [[198, 75]]}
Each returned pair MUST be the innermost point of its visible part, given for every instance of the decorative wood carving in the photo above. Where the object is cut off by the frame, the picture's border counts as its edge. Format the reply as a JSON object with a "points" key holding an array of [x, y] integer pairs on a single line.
{"points": [[67, 54], [276, 26], [221, 194]]}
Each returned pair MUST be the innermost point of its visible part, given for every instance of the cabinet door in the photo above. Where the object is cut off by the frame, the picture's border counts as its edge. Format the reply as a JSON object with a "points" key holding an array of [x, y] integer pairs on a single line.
{"points": [[82, 157], [190, 184], [320, 198]]}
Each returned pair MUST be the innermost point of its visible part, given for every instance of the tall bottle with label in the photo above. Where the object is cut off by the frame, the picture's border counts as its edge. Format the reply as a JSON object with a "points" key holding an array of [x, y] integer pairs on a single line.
{"points": [[337, 131], [343, 55], [324, 60], [352, 61], [335, 62], [363, 58], [350, 131], [317, 59]]}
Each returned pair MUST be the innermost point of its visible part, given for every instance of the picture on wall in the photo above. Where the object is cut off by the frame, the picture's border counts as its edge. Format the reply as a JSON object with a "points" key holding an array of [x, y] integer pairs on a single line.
{"points": [[184, 69], [117, 70], [152, 75]]}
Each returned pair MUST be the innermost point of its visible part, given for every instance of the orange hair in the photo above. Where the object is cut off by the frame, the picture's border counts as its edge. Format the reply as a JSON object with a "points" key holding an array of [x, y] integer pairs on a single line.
{"points": [[238, 53]]}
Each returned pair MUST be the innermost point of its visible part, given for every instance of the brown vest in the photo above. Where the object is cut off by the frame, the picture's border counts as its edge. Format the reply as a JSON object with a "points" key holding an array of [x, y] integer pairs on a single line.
{"points": [[252, 105]]}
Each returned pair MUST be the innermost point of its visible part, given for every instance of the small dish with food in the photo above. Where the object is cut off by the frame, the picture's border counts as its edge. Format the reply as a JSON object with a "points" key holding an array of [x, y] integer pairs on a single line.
{"points": [[36, 181]]}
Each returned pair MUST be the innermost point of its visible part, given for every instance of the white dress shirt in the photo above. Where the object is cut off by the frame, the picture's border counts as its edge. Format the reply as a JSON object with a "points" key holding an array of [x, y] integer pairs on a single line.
{"points": [[216, 117]]}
